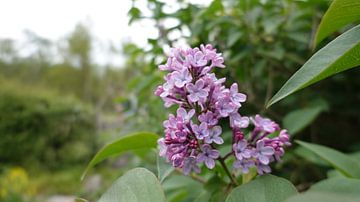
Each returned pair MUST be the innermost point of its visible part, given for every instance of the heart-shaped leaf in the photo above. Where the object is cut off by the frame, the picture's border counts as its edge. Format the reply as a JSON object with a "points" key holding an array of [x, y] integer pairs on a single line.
{"points": [[267, 188], [136, 185]]}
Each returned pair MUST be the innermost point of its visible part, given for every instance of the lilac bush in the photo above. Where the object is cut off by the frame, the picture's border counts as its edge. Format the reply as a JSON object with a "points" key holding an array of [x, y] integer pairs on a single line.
{"points": [[193, 135]]}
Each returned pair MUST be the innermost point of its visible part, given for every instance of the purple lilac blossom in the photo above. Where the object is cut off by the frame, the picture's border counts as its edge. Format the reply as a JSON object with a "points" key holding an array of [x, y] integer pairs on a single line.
{"points": [[181, 78], [214, 136], [208, 156], [263, 149], [193, 134], [201, 131], [209, 117], [241, 150], [263, 153], [264, 124], [190, 164], [244, 165], [197, 92]]}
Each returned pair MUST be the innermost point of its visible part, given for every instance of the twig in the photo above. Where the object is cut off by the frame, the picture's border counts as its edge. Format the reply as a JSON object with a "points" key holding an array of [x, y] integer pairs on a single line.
{"points": [[227, 155], [222, 162]]}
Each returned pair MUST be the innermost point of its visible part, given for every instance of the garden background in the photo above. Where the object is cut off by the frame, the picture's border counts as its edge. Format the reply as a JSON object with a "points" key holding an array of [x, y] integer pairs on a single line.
{"points": [[59, 105]]}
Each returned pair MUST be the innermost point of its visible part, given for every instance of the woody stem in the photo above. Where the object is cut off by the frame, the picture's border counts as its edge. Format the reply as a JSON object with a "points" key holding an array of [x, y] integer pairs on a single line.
{"points": [[233, 180]]}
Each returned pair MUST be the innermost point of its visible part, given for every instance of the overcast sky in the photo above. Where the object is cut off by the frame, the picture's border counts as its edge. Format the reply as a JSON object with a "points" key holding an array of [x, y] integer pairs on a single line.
{"points": [[54, 19]]}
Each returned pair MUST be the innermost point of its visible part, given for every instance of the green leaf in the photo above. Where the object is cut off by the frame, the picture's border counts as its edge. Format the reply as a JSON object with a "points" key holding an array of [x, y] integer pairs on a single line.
{"points": [[297, 120], [338, 185], [340, 161], [339, 55], [267, 188], [203, 197], [322, 197], [215, 7], [134, 141], [134, 14], [176, 185], [136, 185], [310, 156], [339, 14], [164, 168], [334, 189]]}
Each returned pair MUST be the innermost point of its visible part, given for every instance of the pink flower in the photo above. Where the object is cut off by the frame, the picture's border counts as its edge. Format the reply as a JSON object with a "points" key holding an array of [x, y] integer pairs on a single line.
{"points": [[241, 150], [197, 60], [264, 124], [235, 96], [214, 136], [197, 91], [263, 153], [181, 78], [208, 155], [209, 117], [201, 131], [236, 121], [190, 164], [183, 115]]}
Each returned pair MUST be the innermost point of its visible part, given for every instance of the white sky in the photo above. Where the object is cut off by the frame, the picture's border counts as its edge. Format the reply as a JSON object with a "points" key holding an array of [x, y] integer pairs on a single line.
{"points": [[54, 19]]}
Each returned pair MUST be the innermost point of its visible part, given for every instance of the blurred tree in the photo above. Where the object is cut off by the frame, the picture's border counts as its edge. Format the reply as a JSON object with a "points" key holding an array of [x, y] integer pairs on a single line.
{"points": [[79, 44]]}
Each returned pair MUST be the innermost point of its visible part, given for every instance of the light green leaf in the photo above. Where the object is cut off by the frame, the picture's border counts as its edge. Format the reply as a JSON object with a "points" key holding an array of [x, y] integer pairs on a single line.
{"points": [[339, 14], [203, 197], [267, 188], [297, 120], [338, 185], [215, 7], [134, 141], [137, 185], [339, 55], [164, 168], [340, 161], [322, 197]]}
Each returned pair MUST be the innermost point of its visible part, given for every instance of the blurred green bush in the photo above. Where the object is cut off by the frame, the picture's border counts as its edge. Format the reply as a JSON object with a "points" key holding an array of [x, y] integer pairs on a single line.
{"points": [[40, 126]]}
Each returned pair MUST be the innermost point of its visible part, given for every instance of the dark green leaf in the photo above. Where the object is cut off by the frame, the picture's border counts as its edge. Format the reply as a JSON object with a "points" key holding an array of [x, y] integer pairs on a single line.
{"points": [[137, 185], [297, 120], [134, 141], [338, 185], [339, 55], [339, 14], [266, 188], [340, 161]]}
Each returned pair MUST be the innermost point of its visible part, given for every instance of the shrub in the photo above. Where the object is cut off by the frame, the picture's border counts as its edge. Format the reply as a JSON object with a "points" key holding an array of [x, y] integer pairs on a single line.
{"points": [[37, 125]]}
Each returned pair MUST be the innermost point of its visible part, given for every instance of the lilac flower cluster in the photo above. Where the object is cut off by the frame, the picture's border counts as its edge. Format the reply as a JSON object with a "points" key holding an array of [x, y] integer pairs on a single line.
{"points": [[259, 149], [192, 135]]}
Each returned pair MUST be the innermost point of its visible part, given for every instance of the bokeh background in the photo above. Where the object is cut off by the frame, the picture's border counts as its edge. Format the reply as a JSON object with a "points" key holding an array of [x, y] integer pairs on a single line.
{"points": [[75, 75]]}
